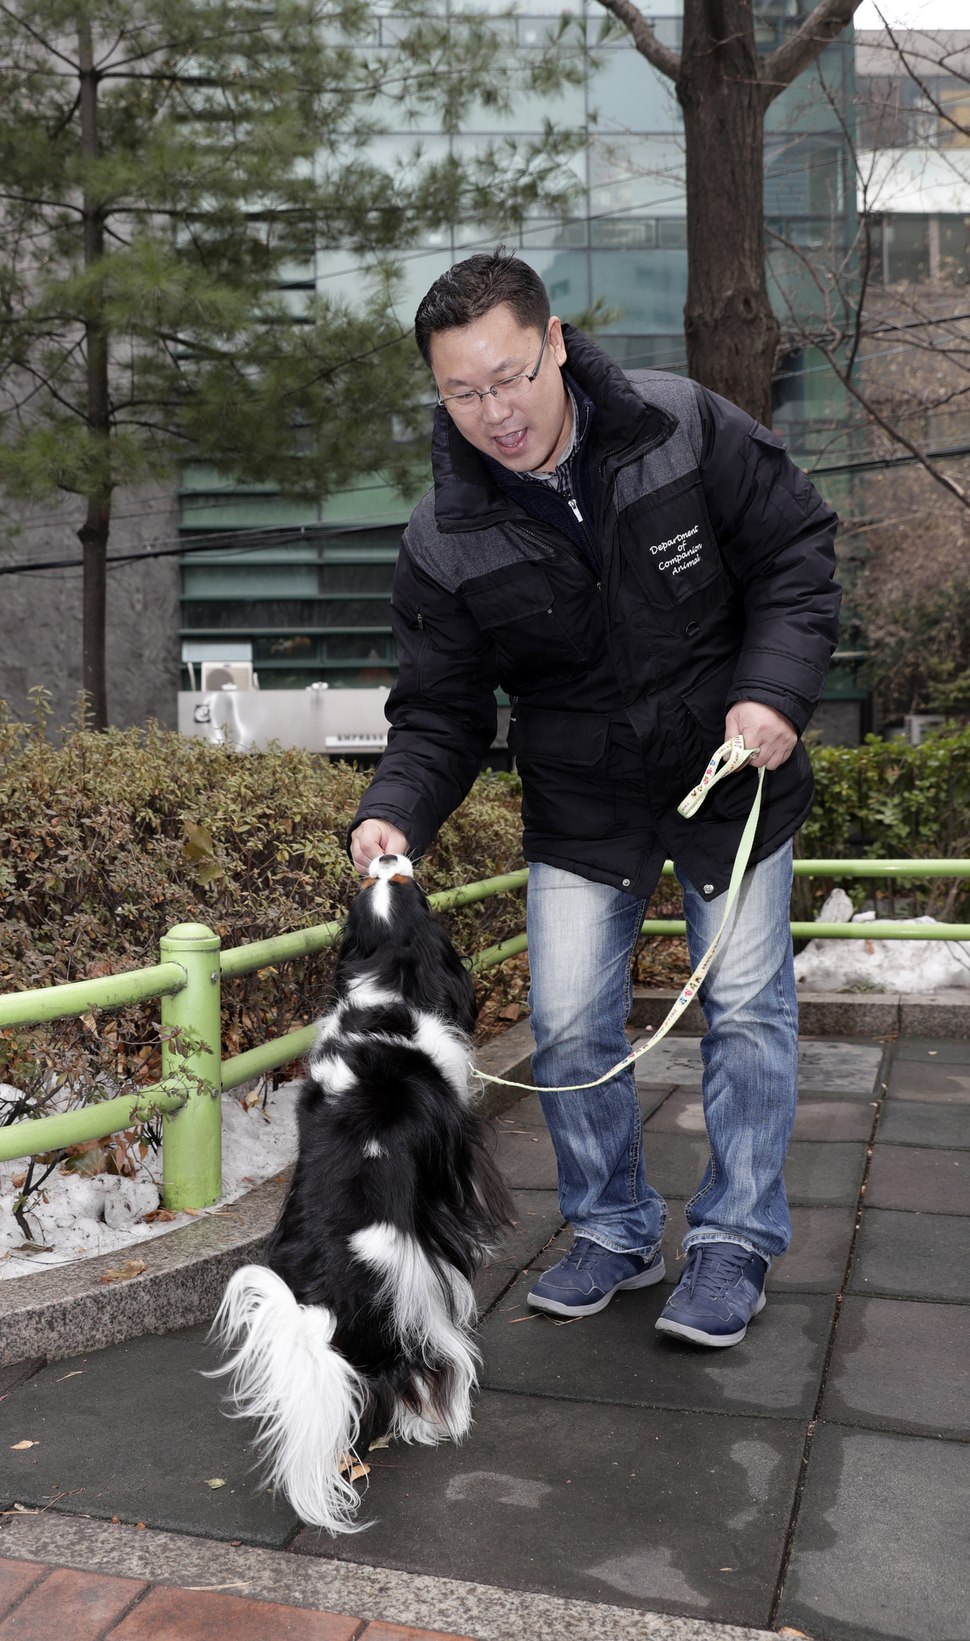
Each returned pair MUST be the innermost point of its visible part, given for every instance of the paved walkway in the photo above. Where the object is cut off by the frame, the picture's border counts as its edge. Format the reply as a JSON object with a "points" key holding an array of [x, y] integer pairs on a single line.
{"points": [[814, 1479]]}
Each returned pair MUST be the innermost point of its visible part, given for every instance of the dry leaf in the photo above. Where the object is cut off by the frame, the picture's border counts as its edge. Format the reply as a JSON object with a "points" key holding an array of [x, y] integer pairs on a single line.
{"points": [[216, 1481], [132, 1267], [801, 1634], [379, 1441], [350, 1466], [19, 1447]]}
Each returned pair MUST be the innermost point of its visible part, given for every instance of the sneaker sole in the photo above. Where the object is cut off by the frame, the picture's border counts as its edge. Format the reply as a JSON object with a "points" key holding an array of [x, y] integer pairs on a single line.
{"points": [[697, 1336], [555, 1307]]}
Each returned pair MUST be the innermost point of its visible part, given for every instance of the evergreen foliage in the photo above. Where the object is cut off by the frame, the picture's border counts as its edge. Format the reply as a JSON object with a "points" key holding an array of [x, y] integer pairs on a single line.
{"points": [[169, 171]]}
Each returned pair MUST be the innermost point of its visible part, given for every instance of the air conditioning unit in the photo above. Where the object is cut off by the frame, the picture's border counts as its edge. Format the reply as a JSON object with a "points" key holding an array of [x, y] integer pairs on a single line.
{"points": [[917, 725], [228, 675]]}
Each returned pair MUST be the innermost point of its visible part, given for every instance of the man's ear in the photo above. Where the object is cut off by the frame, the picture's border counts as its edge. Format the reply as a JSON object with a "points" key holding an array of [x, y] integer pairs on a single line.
{"points": [[557, 345]]}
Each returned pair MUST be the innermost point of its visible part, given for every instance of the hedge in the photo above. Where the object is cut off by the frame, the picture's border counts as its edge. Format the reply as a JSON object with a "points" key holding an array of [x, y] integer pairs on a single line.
{"points": [[107, 840]]}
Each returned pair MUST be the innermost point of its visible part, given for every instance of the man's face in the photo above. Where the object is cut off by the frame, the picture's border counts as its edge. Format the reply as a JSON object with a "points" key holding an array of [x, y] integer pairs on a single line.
{"points": [[527, 425]]}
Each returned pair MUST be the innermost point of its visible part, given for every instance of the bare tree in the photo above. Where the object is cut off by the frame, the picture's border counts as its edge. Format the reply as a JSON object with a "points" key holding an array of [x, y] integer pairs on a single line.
{"points": [[724, 88]]}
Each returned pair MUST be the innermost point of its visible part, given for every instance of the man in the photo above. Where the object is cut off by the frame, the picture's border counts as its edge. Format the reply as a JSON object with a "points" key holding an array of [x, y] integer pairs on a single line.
{"points": [[646, 573]]}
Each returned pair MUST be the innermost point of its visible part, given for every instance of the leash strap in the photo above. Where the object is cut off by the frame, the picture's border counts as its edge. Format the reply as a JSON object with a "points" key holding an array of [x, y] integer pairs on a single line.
{"points": [[733, 755]]}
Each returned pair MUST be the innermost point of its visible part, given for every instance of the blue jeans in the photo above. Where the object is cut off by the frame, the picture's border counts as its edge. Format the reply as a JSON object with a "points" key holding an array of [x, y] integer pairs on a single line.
{"points": [[581, 941]]}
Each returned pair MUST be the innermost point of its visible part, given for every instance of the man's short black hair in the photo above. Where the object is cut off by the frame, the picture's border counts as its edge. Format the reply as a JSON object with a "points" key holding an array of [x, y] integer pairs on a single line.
{"points": [[473, 288]]}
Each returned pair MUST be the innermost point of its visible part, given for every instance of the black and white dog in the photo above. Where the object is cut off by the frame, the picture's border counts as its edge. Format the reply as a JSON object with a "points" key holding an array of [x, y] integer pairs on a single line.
{"points": [[361, 1324]]}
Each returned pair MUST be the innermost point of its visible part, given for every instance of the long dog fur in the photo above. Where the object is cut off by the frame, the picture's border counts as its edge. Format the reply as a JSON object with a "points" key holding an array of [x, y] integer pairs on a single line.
{"points": [[360, 1323]]}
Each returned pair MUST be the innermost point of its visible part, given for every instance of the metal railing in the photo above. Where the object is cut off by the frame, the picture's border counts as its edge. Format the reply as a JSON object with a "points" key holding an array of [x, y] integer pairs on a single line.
{"points": [[188, 981]]}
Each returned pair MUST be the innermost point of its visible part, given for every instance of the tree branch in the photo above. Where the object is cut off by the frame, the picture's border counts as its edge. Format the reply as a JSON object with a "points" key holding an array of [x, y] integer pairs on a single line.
{"points": [[824, 24], [643, 37]]}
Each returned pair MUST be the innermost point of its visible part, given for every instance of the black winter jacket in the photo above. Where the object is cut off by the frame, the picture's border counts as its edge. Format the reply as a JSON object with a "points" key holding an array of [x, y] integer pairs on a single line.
{"points": [[716, 586]]}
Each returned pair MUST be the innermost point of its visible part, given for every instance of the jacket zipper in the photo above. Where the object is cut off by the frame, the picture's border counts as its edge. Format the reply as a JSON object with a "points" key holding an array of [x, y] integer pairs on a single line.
{"points": [[562, 545]]}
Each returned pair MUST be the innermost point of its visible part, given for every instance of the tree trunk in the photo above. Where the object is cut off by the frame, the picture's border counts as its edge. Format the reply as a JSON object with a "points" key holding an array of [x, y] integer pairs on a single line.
{"points": [[732, 333], [93, 533]]}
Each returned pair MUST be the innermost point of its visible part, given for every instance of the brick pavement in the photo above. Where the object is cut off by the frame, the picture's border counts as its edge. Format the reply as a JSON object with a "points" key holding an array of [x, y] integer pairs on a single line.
{"points": [[42, 1603]]}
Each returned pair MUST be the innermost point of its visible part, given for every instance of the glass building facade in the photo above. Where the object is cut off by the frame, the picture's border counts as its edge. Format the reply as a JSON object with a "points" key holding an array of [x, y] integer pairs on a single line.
{"points": [[308, 587]]}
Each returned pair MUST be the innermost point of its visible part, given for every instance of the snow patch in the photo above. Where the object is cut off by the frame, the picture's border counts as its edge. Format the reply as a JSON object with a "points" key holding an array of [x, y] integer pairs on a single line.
{"points": [[75, 1216], [880, 965]]}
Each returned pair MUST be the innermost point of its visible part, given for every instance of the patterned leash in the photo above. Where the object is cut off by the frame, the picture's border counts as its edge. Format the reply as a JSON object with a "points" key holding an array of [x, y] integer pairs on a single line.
{"points": [[733, 755]]}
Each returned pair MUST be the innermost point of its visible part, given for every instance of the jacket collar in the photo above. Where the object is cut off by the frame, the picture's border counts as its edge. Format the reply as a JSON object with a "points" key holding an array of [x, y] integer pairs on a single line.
{"points": [[467, 495]]}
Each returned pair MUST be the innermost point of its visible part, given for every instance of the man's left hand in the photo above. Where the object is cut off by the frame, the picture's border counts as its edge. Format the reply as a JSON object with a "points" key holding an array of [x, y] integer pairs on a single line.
{"points": [[763, 727]]}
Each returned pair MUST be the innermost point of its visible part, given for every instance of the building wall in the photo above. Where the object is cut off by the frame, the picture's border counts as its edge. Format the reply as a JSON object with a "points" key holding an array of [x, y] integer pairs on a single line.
{"points": [[41, 611]]}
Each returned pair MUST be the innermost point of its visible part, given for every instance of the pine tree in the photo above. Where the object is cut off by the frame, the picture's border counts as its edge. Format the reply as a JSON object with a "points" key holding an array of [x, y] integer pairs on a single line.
{"points": [[169, 169]]}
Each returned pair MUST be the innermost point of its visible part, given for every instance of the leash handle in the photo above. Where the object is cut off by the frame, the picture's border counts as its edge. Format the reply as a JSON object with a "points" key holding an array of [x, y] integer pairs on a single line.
{"points": [[729, 757]]}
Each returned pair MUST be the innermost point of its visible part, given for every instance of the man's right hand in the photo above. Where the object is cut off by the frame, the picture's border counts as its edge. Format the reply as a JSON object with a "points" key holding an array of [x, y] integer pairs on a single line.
{"points": [[372, 838]]}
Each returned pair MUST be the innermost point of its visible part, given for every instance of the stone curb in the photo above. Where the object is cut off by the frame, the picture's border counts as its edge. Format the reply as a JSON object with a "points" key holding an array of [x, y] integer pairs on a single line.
{"points": [[63, 1312]]}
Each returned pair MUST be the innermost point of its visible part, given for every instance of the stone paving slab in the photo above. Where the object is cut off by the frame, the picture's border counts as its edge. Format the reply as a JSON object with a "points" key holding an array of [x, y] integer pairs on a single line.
{"points": [[617, 1356], [880, 1547], [847, 1069], [682, 1513], [537, 1220], [921, 1179], [526, 1158], [907, 1122], [884, 1350], [817, 1173], [414, 1601], [941, 1050], [135, 1431], [913, 1256], [682, 1112], [936, 1082]]}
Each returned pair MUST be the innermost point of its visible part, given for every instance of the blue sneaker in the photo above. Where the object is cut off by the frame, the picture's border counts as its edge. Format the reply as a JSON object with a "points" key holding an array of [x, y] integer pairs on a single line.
{"points": [[586, 1280], [721, 1289]]}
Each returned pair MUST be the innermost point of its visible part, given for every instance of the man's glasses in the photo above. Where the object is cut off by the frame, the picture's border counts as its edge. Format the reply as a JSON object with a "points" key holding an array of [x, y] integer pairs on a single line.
{"points": [[502, 392]]}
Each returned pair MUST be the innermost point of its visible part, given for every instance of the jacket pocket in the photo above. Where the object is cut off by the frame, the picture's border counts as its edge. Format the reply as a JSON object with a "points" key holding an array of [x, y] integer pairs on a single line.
{"points": [[520, 612], [668, 540]]}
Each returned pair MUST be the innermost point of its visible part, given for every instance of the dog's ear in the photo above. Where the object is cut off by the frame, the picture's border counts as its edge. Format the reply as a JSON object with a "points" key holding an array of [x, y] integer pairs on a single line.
{"points": [[448, 986]]}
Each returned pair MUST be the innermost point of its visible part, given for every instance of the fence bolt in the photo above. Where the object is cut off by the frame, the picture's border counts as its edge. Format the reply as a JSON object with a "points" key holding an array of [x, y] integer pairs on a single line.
{"points": [[192, 1136]]}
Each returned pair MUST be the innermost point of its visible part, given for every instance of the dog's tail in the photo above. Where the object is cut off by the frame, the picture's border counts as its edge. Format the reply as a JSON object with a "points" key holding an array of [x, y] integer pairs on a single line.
{"points": [[306, 1397]]}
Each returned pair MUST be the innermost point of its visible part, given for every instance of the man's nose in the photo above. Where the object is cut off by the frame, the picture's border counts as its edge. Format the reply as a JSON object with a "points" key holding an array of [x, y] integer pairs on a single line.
{"points": [[493, 410]]}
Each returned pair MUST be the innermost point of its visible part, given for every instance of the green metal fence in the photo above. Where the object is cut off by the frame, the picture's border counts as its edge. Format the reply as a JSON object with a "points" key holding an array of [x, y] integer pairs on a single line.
{"points": [[188, 980]]}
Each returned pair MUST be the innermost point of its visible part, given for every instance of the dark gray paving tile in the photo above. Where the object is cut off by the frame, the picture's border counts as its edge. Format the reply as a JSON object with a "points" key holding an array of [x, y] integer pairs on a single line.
{"points": [[833, 1067], [948, 1051], [913, 1256], [931, 1081], [819, 1251], [879, 1548], [673, 1060], [920, 1179], [491, 1282], [17, 1372], [671, 1512], [901, 1365], [824, 1175], [617, 1356], [136, 1432], [913, 1122], [814, 1263], [526, 1158], [537, 1218], [683, 1113], [525, 1114]]}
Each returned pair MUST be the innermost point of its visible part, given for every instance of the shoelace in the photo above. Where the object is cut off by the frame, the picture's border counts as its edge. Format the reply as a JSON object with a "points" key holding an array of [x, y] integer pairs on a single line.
{"points": [[712, 1272]]}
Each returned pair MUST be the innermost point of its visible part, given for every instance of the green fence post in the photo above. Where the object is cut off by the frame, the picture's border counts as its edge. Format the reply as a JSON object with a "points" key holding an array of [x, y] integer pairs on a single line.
{"points": [[192, 1136]]}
